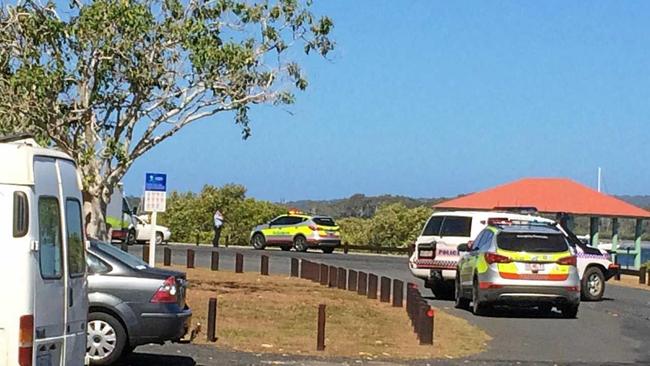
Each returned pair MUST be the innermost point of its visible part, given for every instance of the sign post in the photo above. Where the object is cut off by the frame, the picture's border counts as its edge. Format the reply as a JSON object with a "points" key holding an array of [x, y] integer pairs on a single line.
{"points": [[155, 200]]}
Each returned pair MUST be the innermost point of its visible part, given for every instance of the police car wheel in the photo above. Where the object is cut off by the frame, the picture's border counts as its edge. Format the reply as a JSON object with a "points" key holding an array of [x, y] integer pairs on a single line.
{"points": [[130, 237], [259, 242], [159, 238], [593, 284], [300, 244], [478, 307], [461, 301]]}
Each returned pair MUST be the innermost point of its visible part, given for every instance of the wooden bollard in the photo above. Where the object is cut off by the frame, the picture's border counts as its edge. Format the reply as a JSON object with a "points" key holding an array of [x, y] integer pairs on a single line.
{"points": [[295, 264], [426, 325], [346, 248], [362, 284], [333, 277], [320, 338], [214, 261], [342, 278], [239, 263], [167, 256], [398, 293], [304, 264], [411, 250], [190, 258], [352, 280], [372, 286], [124, 246], [384, 294], [212, 320], [315, 272], [145, 253], [642, 274], [264, 267], [324, 273]]}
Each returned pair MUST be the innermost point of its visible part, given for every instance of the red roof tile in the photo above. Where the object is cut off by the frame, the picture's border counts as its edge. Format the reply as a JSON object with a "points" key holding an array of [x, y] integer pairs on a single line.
{"points": [[548, 195]]}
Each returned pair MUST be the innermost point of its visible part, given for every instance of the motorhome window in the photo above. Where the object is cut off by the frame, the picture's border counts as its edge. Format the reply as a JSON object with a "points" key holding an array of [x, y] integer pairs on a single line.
{"points": [[21, 214], [76, 262], [49, 237]]}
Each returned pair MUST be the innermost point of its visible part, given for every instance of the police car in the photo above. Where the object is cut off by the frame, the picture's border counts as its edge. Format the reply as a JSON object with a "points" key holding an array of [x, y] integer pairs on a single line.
{"points": [[299, 231], [519, 264], [435, 257]]}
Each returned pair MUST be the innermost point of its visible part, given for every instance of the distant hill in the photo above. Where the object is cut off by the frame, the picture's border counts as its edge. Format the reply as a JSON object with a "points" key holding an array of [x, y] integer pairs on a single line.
{"points": [[358, 205], [642, 201]]}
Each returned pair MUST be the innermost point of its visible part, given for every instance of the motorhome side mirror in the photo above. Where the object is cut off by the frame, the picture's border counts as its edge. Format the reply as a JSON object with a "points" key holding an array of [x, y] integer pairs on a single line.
{"points": [[463, 248]]}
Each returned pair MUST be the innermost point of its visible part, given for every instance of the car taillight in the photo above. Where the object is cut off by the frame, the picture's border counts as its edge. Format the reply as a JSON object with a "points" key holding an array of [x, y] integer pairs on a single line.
{"points": [[166, 294], [496, 258], [568, 261], [25, 340]]}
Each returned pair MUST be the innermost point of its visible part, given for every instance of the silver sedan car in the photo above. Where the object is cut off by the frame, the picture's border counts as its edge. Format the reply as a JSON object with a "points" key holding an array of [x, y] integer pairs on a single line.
{"points": [[131, 304], [519, 264]]}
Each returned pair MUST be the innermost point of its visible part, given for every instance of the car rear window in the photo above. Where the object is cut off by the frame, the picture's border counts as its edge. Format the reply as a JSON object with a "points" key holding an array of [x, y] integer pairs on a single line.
{"points": [[324, 221], [523, 242], [433, 226], [456, 226], [124, 257]]}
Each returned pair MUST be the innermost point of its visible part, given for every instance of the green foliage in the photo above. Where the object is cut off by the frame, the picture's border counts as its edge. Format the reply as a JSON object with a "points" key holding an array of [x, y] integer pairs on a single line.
{"points": [[393, 225], [189, 214]]}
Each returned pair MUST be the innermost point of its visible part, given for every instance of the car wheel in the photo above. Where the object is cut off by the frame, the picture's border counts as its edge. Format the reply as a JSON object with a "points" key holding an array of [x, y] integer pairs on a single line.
{"points": [[258, 241], [285, 248], [461, 301], [569, 311], [130, 237], [593, 284], [478, 307], [328, 250], [159, 238], [300, 243], [106, 339]]}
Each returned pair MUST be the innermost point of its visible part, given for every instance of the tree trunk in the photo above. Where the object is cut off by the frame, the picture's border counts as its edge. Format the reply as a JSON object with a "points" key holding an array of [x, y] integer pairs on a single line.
{"points": [[95, 202]]}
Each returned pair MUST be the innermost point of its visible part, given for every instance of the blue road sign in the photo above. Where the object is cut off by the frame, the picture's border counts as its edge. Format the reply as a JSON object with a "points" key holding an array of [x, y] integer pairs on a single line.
{"points": [[156, 182]]}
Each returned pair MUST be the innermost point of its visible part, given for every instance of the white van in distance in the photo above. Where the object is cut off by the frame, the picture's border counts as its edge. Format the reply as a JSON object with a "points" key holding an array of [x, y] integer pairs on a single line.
{"points": [[43, 257]]}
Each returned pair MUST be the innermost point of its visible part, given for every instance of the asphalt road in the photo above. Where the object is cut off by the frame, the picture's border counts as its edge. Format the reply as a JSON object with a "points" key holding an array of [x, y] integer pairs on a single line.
{"points": [[613, 331]]}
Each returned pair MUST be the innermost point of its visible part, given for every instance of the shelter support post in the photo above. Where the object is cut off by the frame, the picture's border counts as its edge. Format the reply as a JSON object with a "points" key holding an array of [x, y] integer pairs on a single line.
{"points": [[615, 228], [594, 223], [638, 232]]}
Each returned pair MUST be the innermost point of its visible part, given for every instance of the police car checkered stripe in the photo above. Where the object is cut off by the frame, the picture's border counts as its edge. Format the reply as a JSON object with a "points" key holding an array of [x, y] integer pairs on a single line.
{"points": [[431, 263]]}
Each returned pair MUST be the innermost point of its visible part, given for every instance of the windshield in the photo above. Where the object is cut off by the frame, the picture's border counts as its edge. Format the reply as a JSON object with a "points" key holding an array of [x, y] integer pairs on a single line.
{"points": [[524, 242], [124, 257]]}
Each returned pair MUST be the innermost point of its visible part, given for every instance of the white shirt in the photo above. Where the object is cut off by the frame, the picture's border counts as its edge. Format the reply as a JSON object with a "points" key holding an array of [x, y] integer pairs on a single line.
{"points": [[218, 219]]}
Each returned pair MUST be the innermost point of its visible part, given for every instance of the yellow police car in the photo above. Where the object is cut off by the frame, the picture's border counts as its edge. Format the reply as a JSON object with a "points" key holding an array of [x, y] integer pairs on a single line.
{"points": [[299, 231], [519, 264]]}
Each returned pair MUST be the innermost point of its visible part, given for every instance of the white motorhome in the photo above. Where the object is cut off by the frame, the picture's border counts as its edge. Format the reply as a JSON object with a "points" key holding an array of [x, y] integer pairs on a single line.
{"points": [[43, 322]]}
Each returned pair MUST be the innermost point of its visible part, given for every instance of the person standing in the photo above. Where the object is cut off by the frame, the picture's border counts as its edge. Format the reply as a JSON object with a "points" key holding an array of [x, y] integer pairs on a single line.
{"points": [[218, 224]]}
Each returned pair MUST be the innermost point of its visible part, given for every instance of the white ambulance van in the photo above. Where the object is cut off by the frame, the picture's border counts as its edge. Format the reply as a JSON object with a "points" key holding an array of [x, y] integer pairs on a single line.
{"points": [[43, 319]]}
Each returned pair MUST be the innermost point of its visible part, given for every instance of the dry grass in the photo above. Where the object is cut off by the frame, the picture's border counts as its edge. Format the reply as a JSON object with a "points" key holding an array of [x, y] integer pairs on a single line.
{"points": [[275, 314], [629, 281]]}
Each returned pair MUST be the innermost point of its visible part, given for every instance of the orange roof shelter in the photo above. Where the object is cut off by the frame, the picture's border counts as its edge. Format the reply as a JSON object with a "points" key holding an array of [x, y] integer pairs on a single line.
{"points": [[557, 195], [547, 195]]}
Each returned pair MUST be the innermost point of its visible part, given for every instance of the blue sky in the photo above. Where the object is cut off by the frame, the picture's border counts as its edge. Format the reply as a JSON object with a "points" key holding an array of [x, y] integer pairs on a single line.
{"points": [[428, 99]]}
